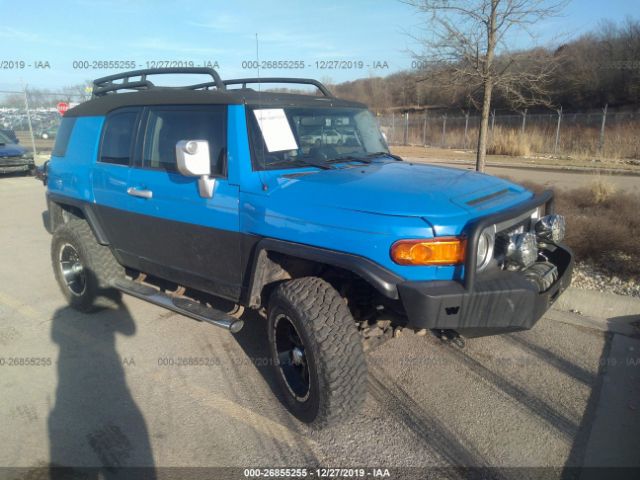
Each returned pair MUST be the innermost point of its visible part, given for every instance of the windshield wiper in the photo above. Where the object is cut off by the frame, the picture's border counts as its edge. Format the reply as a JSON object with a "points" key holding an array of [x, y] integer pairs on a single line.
{"points": [[368, 158], [350, 158], [312, 163], [387, 154]]}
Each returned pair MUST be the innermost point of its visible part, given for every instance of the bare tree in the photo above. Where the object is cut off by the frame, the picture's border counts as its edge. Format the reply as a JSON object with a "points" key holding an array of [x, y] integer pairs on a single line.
{"points": [[471, 38]]}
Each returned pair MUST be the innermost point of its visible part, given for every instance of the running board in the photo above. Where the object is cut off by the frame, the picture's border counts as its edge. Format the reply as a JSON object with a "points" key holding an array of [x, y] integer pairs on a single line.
{"points": [[180, 305]]}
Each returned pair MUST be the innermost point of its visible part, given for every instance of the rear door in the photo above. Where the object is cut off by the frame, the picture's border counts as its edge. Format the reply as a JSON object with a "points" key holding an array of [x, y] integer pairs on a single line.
{"points": [[175, 233], [110, 174]]}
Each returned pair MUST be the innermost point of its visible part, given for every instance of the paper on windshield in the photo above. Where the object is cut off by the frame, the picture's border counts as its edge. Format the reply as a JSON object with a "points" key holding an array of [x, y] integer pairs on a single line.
{"points": [[275, 129]]}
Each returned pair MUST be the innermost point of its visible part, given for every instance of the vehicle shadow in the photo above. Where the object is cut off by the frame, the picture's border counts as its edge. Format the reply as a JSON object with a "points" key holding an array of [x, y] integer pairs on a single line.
{"points": [[253, 341], [630, 324], [573, 467], [96, 430]]}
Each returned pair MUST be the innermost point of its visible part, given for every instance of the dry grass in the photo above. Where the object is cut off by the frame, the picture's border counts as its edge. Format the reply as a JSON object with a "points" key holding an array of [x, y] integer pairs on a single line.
{"points": [[509, 142], [602, 190], [622, 141], [602, 225]]}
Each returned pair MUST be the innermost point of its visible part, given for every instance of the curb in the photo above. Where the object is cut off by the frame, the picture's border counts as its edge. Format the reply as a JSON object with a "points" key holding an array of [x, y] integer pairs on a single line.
{"points": [[598, 304], [617, 325]]}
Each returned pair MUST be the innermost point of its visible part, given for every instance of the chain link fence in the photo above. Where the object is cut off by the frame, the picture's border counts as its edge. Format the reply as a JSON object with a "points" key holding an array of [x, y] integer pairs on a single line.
{"points": [[604, 133], [31, 117]]}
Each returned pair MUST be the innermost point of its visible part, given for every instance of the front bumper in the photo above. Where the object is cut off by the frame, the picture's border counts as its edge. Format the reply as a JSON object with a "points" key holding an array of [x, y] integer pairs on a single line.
{"points": [[11, 165], [499, 301]]}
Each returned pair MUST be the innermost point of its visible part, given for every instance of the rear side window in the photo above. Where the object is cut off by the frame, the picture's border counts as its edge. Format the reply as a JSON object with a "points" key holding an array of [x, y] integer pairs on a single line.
{"points": [[63, 136], [117, 139], [167, 126]]}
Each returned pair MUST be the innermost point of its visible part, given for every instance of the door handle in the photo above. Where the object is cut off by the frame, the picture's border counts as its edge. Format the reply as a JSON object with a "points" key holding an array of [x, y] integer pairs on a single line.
{"points": [[140, 193]]}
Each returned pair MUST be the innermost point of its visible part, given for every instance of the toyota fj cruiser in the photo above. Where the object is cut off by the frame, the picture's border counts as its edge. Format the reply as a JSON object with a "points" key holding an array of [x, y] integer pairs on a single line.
{"points": [[190, 197]]}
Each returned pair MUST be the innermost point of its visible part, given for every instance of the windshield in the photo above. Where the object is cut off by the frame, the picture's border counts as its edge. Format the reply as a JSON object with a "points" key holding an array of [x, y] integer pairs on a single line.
{"points": [[296, 136], [4, 139]]}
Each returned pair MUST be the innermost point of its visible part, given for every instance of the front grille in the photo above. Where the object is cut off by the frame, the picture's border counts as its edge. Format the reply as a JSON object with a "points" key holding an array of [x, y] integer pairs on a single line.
{"points": [[14, 160]]}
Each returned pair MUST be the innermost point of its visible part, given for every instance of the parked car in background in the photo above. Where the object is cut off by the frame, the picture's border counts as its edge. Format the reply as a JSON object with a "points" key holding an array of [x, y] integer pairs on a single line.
{"points": [[14, 158], [49, 132], [320, 136], [10, 134]]}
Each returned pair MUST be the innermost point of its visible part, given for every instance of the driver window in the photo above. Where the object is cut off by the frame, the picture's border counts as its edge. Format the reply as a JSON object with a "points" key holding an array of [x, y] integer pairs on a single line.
{"points": [[166, 126]]}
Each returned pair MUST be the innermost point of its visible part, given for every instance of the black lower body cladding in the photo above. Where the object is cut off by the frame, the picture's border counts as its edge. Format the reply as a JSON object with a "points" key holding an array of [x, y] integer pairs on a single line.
{"points": [[499, 302]]}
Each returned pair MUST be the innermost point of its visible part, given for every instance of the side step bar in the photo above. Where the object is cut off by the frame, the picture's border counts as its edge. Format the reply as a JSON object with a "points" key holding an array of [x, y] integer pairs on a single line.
{"points": [[180, 305]]}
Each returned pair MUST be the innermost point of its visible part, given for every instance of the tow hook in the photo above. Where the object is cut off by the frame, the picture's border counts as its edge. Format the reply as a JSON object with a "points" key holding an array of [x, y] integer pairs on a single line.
{"points": [[450, 337]]}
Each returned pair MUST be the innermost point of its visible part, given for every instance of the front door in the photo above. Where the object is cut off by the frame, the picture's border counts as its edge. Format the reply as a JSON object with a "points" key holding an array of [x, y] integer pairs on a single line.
{"points": [[174, 232]]}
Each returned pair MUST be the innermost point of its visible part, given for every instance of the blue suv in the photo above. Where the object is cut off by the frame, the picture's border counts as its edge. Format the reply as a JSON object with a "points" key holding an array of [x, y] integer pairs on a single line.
{"points": [[215, 197]]}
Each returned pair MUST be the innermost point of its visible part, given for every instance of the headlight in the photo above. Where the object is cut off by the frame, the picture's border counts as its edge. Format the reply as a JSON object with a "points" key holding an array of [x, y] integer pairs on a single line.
{"points": [[522, 249], [485, 249], [551, 228]]}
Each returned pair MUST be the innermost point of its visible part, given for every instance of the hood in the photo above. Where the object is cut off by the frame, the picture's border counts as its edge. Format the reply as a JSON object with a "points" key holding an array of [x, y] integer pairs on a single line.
{"points": [[440, 195], [11, 150]]}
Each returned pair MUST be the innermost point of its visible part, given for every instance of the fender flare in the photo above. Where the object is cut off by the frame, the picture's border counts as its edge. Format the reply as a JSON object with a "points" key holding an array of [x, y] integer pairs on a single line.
{"points": [[382, 279], [86, 209]]}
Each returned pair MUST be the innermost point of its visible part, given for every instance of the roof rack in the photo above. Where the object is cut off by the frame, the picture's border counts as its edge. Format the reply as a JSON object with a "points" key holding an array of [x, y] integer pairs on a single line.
{"points": [[303, 81], [105, 85]]}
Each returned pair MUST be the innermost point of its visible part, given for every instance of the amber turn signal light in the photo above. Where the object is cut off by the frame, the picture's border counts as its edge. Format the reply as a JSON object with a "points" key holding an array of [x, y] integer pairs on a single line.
{"points": [[434, 251]]}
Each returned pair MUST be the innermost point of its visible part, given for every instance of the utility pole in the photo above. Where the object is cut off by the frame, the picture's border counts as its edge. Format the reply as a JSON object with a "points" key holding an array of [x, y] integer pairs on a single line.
{"points": [[444, 130], [424, 130], [524, 120], [604, 120], [466, 127], [26, 105], [493, 122], [555, 147]]}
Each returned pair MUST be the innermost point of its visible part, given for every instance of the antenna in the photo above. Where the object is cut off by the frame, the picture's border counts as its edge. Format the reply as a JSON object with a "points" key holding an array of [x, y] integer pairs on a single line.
{"points": [[258, 59]]}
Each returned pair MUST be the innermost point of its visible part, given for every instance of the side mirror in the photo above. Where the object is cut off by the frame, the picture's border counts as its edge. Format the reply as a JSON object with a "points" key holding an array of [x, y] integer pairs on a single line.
{"points": [[193, 160]]}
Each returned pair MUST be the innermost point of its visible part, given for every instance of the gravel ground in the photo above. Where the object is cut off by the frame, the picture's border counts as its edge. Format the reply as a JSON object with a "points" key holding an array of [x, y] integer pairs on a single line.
{"points": [[588, 276]]}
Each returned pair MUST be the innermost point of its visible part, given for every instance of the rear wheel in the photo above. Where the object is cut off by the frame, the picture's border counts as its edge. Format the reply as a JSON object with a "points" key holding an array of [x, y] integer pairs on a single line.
{"points": [[316, 352], [83, 268]]}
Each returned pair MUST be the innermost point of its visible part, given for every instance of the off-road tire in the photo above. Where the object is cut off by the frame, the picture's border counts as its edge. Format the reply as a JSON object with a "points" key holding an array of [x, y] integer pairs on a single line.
{"points": [[99, 266], [333, 349]]}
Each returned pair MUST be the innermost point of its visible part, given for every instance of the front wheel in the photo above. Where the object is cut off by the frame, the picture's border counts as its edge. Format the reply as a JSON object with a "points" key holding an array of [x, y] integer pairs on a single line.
{"points": [[316, 352]]}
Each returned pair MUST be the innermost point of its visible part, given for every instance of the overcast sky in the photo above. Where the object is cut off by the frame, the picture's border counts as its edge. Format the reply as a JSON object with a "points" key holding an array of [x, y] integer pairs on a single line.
{"points": [[369, 31]]}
